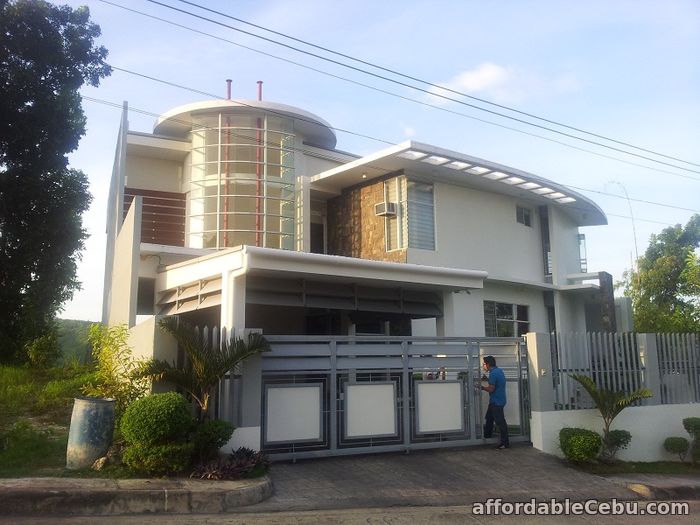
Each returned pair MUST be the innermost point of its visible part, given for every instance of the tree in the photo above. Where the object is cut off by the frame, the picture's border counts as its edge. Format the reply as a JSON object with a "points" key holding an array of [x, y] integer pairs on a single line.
{"points": [[208, 363], [665, 287], [47, 52], [609, 403]]}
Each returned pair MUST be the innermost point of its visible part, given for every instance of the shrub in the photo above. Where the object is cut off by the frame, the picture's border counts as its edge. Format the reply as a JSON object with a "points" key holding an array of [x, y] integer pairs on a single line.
{"points": [[677, 445], [209, 437], [695, 452], [43, 351], [117, 373], [579, 444], [692, 427], [616, 440], [157, 419], [242, 463], [158, 460]]}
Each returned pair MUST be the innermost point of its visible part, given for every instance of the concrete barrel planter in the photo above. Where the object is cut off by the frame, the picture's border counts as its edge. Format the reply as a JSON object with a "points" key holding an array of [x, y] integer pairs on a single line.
{"points": [[91, 429]]}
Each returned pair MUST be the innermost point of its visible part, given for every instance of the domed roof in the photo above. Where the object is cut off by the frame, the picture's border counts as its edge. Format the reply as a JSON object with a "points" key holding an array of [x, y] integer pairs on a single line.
{"points": [[314, 130]]}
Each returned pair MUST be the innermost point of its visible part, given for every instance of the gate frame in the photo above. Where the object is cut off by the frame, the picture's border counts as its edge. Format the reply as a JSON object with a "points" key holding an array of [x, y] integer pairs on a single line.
{"points": [[281, 362]]}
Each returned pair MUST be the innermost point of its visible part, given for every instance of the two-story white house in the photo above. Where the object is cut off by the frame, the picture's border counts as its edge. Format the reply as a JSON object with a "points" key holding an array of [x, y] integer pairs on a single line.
{"points": [[242, 214]]}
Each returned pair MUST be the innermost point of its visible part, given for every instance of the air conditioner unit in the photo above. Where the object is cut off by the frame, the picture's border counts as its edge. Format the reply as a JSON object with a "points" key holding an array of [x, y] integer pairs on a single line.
{"points": [[386, 209]]}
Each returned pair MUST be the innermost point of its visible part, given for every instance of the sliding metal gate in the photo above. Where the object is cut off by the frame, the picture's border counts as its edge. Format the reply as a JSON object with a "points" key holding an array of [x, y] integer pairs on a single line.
{"points": [[326, 396]]}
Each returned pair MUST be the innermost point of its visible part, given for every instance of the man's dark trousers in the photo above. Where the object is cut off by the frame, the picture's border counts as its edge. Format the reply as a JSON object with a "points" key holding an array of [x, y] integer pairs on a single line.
{"points": [[495, 414]]}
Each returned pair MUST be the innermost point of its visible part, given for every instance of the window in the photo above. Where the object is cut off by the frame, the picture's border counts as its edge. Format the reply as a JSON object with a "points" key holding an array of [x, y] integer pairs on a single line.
{"points": [[414, 223], [582, 252], [523, 215], [505, 320]]}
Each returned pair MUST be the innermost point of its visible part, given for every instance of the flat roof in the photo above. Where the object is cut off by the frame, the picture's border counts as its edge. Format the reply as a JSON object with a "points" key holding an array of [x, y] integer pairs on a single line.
{"points": [[436, 164]]}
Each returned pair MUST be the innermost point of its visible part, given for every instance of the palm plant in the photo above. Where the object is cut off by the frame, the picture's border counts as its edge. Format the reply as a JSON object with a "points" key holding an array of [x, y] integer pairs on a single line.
{"points": [[609, 403], [208, 364]]}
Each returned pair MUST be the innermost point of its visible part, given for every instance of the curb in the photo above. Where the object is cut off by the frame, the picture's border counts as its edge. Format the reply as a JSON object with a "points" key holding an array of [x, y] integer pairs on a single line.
{"points": [[652, 492], [58, 496]]}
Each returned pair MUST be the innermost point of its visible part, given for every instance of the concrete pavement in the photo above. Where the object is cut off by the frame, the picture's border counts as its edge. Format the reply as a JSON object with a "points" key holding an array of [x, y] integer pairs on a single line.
{"points": [[430, 478]]}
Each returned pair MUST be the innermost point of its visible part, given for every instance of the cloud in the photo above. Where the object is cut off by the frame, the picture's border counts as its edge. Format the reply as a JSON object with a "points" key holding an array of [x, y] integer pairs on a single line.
{"points": [[504, 84]]}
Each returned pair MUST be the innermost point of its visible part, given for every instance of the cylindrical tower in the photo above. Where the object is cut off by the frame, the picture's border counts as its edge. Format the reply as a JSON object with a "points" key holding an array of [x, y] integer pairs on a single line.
{"points": [[241, 179]]}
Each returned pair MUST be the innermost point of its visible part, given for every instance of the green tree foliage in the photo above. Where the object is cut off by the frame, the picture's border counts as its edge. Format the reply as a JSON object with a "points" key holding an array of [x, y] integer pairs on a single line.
{"points": [[207, 364], [610, 403], [665, 288], [47, 52]]}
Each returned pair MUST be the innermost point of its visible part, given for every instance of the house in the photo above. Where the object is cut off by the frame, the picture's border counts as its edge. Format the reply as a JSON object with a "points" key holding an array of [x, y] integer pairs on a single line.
{"points": [[243, 214]]}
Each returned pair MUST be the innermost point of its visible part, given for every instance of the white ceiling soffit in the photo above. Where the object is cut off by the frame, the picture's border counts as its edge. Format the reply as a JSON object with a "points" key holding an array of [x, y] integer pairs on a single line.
{"points": [[432, 163]]}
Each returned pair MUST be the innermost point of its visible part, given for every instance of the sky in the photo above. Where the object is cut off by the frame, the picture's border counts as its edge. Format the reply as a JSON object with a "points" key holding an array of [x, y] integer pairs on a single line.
{"points": [[626, 70]]}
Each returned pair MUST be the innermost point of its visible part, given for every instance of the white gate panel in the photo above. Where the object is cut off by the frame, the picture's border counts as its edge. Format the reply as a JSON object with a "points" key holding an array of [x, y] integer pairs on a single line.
{"points": [[293, 413], [370, 410], [440, 406]]}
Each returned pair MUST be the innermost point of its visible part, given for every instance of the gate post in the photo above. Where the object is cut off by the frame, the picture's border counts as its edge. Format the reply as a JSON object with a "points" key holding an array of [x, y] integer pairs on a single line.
{"points": [[541, 390], [649, 358], [539, 356]]}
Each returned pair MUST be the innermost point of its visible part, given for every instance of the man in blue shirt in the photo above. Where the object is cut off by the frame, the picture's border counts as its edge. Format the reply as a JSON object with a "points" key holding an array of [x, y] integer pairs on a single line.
{"points": [[497, 401]]}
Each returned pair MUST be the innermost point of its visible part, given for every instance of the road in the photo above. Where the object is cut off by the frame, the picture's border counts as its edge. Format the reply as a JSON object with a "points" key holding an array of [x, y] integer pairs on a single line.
{"points": [[386, 516]]}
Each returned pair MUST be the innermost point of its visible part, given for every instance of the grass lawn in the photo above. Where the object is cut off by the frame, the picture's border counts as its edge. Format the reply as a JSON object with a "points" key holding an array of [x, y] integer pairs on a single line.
{"points": [[35, 411]]}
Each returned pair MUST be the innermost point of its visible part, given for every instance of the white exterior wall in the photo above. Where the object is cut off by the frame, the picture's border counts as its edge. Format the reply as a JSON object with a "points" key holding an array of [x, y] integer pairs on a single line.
{"points": [[570, 312], [124, 278], [649, 426], [566, 258], [149, 173], [464, 312], [478, 230], [314, 165]]}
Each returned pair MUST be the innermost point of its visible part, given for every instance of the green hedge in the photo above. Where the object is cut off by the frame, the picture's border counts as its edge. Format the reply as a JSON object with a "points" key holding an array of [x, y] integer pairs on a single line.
{"points": [[579, 444], [209, 437], [157, 419], [158, 460]]}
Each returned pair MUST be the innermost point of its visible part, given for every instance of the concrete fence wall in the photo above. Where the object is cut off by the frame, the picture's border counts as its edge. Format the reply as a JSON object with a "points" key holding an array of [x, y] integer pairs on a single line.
{"points": [[649, 424]]}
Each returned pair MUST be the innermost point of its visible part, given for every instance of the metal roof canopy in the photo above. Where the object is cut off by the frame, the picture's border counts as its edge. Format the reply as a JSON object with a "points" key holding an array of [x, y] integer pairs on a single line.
{"points": [[431, 163]]}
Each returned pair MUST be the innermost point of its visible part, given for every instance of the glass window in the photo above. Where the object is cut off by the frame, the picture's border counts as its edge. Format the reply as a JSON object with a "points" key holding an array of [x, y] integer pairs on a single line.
{"points": [[505, 319], [413, 226], [523, 215]]}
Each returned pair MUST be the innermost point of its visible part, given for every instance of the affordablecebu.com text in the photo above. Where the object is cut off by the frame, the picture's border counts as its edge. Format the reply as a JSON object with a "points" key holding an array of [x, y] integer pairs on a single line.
{"points": [[566, 507]]}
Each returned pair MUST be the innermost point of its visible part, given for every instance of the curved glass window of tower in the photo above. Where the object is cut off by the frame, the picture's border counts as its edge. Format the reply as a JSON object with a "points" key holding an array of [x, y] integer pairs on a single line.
{"points": [[242, 182]]}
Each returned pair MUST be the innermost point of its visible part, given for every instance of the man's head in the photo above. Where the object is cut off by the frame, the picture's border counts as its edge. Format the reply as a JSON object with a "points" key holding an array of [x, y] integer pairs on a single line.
{"points": [[489, 362]]}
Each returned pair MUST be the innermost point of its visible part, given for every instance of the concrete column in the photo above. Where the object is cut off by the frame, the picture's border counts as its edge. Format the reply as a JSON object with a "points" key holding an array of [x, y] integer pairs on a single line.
{"points": [[233, 302], [445, 325], [540, 373], [649, 357]]}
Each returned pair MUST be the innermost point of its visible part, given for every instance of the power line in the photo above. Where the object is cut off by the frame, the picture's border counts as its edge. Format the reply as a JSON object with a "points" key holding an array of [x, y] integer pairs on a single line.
{"points": [[396, 95], [369, 165], [431, 84], [416, 88]]}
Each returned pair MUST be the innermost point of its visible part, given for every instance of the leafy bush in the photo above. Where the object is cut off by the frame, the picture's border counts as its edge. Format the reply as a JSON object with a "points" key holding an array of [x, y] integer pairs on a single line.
{"points": [[242, 463], [692, 427], [695, 452], [117, 373], [159, 460], [616, 440], [43, 351], [579, 444], [157, 419], [209, 437], [677, 445]]}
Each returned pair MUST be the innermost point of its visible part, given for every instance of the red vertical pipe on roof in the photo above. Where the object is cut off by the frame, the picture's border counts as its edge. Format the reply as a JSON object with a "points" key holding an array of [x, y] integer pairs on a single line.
{"points": [[258, 173], [226, 166]]}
